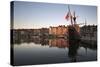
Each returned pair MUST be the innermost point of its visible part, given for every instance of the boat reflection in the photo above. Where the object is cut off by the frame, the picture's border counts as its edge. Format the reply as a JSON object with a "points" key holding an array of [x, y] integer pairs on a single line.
{"points": [[72, 53]]}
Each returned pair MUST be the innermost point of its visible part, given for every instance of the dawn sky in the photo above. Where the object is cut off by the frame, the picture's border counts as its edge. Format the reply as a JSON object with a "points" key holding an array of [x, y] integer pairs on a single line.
{"points": [[38, 15]]}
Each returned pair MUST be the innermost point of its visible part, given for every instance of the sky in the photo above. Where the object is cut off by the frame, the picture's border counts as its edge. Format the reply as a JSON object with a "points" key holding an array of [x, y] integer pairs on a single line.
{"points": [[43, 15]]}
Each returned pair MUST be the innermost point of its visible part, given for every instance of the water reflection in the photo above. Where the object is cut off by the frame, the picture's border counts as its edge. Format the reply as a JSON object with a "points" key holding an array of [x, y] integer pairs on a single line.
{"points": [[46, 48], [54, 42], [72, 53], [60, 43]]}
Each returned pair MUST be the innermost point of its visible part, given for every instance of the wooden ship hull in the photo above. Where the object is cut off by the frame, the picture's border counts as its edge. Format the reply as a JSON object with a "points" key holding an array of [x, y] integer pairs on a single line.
{"points": [[74, 33]]}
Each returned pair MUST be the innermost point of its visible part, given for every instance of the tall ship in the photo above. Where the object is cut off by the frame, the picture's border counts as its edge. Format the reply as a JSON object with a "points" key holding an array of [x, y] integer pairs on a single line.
{"points": [[73, 28]]}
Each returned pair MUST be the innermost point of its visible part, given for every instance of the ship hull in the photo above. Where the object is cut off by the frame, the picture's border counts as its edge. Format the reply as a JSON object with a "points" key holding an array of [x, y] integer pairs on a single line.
{"points": [[73, 34]]}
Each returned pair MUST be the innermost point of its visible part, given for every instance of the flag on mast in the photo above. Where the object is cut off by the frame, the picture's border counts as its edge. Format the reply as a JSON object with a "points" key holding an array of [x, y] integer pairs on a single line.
{"points": [[67, 16]]}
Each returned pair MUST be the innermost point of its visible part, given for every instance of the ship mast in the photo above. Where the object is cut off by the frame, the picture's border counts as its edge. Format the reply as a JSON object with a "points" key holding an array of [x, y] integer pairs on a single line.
{"points": [[74, 18], [71, 17]]}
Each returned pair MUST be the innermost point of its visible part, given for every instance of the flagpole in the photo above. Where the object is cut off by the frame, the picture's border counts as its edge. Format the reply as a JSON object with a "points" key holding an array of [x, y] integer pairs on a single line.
{"points": [[70, 15]]}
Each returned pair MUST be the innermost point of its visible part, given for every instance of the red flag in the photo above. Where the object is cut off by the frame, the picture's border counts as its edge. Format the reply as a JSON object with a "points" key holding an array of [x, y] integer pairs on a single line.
{"points": [[67, 16]]}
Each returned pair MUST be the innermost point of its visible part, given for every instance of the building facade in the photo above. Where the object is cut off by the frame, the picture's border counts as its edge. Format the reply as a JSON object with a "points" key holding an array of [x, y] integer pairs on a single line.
{"points": [[58, 31], [89, 32]]}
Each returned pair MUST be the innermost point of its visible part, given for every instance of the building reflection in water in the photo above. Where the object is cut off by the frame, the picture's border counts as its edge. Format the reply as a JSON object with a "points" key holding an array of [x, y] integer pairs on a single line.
{"points": [[55, 42], [60, 43]]}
